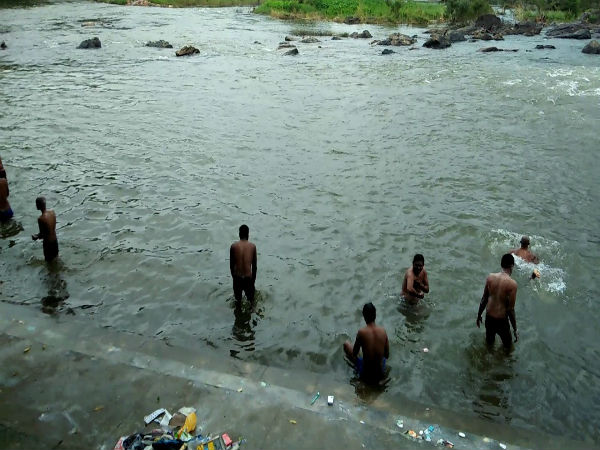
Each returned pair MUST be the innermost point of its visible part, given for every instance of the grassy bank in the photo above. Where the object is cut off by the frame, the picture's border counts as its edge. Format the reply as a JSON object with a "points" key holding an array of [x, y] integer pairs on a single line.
{"points": [[190, 3], [371, 11], [522, 15]]}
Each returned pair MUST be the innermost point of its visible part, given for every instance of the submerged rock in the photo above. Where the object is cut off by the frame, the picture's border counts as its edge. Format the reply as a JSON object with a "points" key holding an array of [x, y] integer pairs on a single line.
{"points": [[292, 52], [290, 38], [592, 48], [90, 43], [310, 40], [387, 51], [285, 45], [496, 49], [159, 44], [336, 38], [188, 50], [3, 46], [542, 47]]}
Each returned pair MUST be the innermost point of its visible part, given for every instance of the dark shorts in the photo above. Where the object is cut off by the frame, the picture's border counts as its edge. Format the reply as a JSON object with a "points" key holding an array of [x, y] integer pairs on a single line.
{"points": [[243, 284], [50, 250], [500, 327], [6, 215], [359, 366]]}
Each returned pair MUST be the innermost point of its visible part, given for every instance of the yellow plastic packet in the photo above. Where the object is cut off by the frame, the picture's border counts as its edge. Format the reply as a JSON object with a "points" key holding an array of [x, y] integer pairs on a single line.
{"points": [[190, 423]]}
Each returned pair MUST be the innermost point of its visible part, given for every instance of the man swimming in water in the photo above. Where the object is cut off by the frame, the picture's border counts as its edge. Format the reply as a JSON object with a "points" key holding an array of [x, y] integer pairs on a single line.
{"points": [[416, 283], [5, 211], [373, 341], [524, 253], [47, 225], [498, 300], [242, 265]]}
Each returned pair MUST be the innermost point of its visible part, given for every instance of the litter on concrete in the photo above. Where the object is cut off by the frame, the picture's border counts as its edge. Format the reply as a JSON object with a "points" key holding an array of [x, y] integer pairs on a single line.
{"points": [[174, 432]]}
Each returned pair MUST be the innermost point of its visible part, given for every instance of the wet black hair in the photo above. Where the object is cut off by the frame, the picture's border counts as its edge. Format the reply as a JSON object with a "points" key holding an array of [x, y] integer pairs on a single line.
{"points": [[369, 312], [244, 232], [507, 261], [419, 257]]}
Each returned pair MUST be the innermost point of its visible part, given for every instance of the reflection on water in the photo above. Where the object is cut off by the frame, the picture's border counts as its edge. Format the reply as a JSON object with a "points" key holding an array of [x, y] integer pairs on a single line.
{"points": [[56, 287], [10, 228], [245, 320]]}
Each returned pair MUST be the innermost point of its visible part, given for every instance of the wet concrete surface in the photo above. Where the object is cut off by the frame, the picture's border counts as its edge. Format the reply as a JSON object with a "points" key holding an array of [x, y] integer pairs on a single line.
{"points": [[65, 383]]}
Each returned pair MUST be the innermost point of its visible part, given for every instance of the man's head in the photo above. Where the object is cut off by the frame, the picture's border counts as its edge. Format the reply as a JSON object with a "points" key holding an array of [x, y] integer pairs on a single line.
{"points": [[369, 312], [40, 203], [244, 232], [507, 261], [418, 263], [525, 242]]}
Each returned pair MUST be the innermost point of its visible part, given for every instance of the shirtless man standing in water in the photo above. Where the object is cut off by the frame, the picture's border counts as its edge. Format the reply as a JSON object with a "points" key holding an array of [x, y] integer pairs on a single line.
{"points": [[373, 341], [242, 265], [498, 300], [416, 283], [47, 225]]}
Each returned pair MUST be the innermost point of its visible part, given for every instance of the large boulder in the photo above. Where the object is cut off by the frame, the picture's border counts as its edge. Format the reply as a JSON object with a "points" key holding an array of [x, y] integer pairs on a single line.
{"points": [[90, 43], [456, 35], [188, 50], [158, 44], [437, 42], [592, 48], [489, 22], [570, 31], [398, 39], [351, 20], [362, 35]]}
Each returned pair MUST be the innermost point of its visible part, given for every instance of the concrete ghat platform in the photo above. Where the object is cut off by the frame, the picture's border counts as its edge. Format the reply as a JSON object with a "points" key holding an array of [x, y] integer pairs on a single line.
{"points": [[82, 386]]}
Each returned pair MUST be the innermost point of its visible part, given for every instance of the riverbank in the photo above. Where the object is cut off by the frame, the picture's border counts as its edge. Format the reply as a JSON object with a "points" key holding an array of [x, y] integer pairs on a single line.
{"points": [[68, 383]]}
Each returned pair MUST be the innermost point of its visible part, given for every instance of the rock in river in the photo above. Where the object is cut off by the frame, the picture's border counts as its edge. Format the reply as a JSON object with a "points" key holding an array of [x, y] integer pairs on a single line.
{"points": [[90, 43], [188, 50]]}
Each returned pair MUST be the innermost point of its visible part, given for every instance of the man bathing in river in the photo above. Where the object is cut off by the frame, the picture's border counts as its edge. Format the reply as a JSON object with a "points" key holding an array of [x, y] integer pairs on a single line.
{"points": [[498, 300], [416, 283], [5, 211], [373, 341], [242, 265], [47, 225], [526, 255]]}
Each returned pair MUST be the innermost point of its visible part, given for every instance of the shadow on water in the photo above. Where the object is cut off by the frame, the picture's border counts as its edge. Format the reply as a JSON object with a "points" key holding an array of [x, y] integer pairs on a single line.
{"points": [[244, 322], [10, 228], [57, 289], [415, 315], [491, 368]]}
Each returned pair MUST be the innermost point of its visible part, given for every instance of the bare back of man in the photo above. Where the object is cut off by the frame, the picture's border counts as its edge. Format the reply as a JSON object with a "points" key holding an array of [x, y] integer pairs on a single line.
{"points": [[498, 300], [373, 341], [243, 266], [525, 254], [243, 252]]}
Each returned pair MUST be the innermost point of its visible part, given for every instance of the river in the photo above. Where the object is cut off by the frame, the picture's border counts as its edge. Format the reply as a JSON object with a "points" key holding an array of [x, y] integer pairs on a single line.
{"points": [[344, 163]]}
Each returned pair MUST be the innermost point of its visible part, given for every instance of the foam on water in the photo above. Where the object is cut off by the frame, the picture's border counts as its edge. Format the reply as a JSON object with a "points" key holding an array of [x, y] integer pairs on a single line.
{"points": [[549, 252]]}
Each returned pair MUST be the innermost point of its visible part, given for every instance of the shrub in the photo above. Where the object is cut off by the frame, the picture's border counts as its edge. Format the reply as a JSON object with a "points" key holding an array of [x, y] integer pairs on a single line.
{"points": [[464, 10]]}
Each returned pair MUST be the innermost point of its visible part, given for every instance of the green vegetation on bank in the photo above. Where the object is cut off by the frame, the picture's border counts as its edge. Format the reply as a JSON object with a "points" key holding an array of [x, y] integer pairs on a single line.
{"points": [[550, 10], [371, 11], [189, 3]]}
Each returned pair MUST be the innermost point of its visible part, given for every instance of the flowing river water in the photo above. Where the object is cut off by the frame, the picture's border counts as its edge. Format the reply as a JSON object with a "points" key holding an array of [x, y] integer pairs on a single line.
{"points": [[344, 163]]}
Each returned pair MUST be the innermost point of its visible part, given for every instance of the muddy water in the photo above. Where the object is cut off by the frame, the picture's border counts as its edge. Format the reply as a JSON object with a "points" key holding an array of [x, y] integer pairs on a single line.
{"points": [[344, 163]]}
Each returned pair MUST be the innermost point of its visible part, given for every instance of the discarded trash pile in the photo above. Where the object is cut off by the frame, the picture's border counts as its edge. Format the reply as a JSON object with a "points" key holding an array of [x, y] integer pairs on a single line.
{"points": [[175, 432]]}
